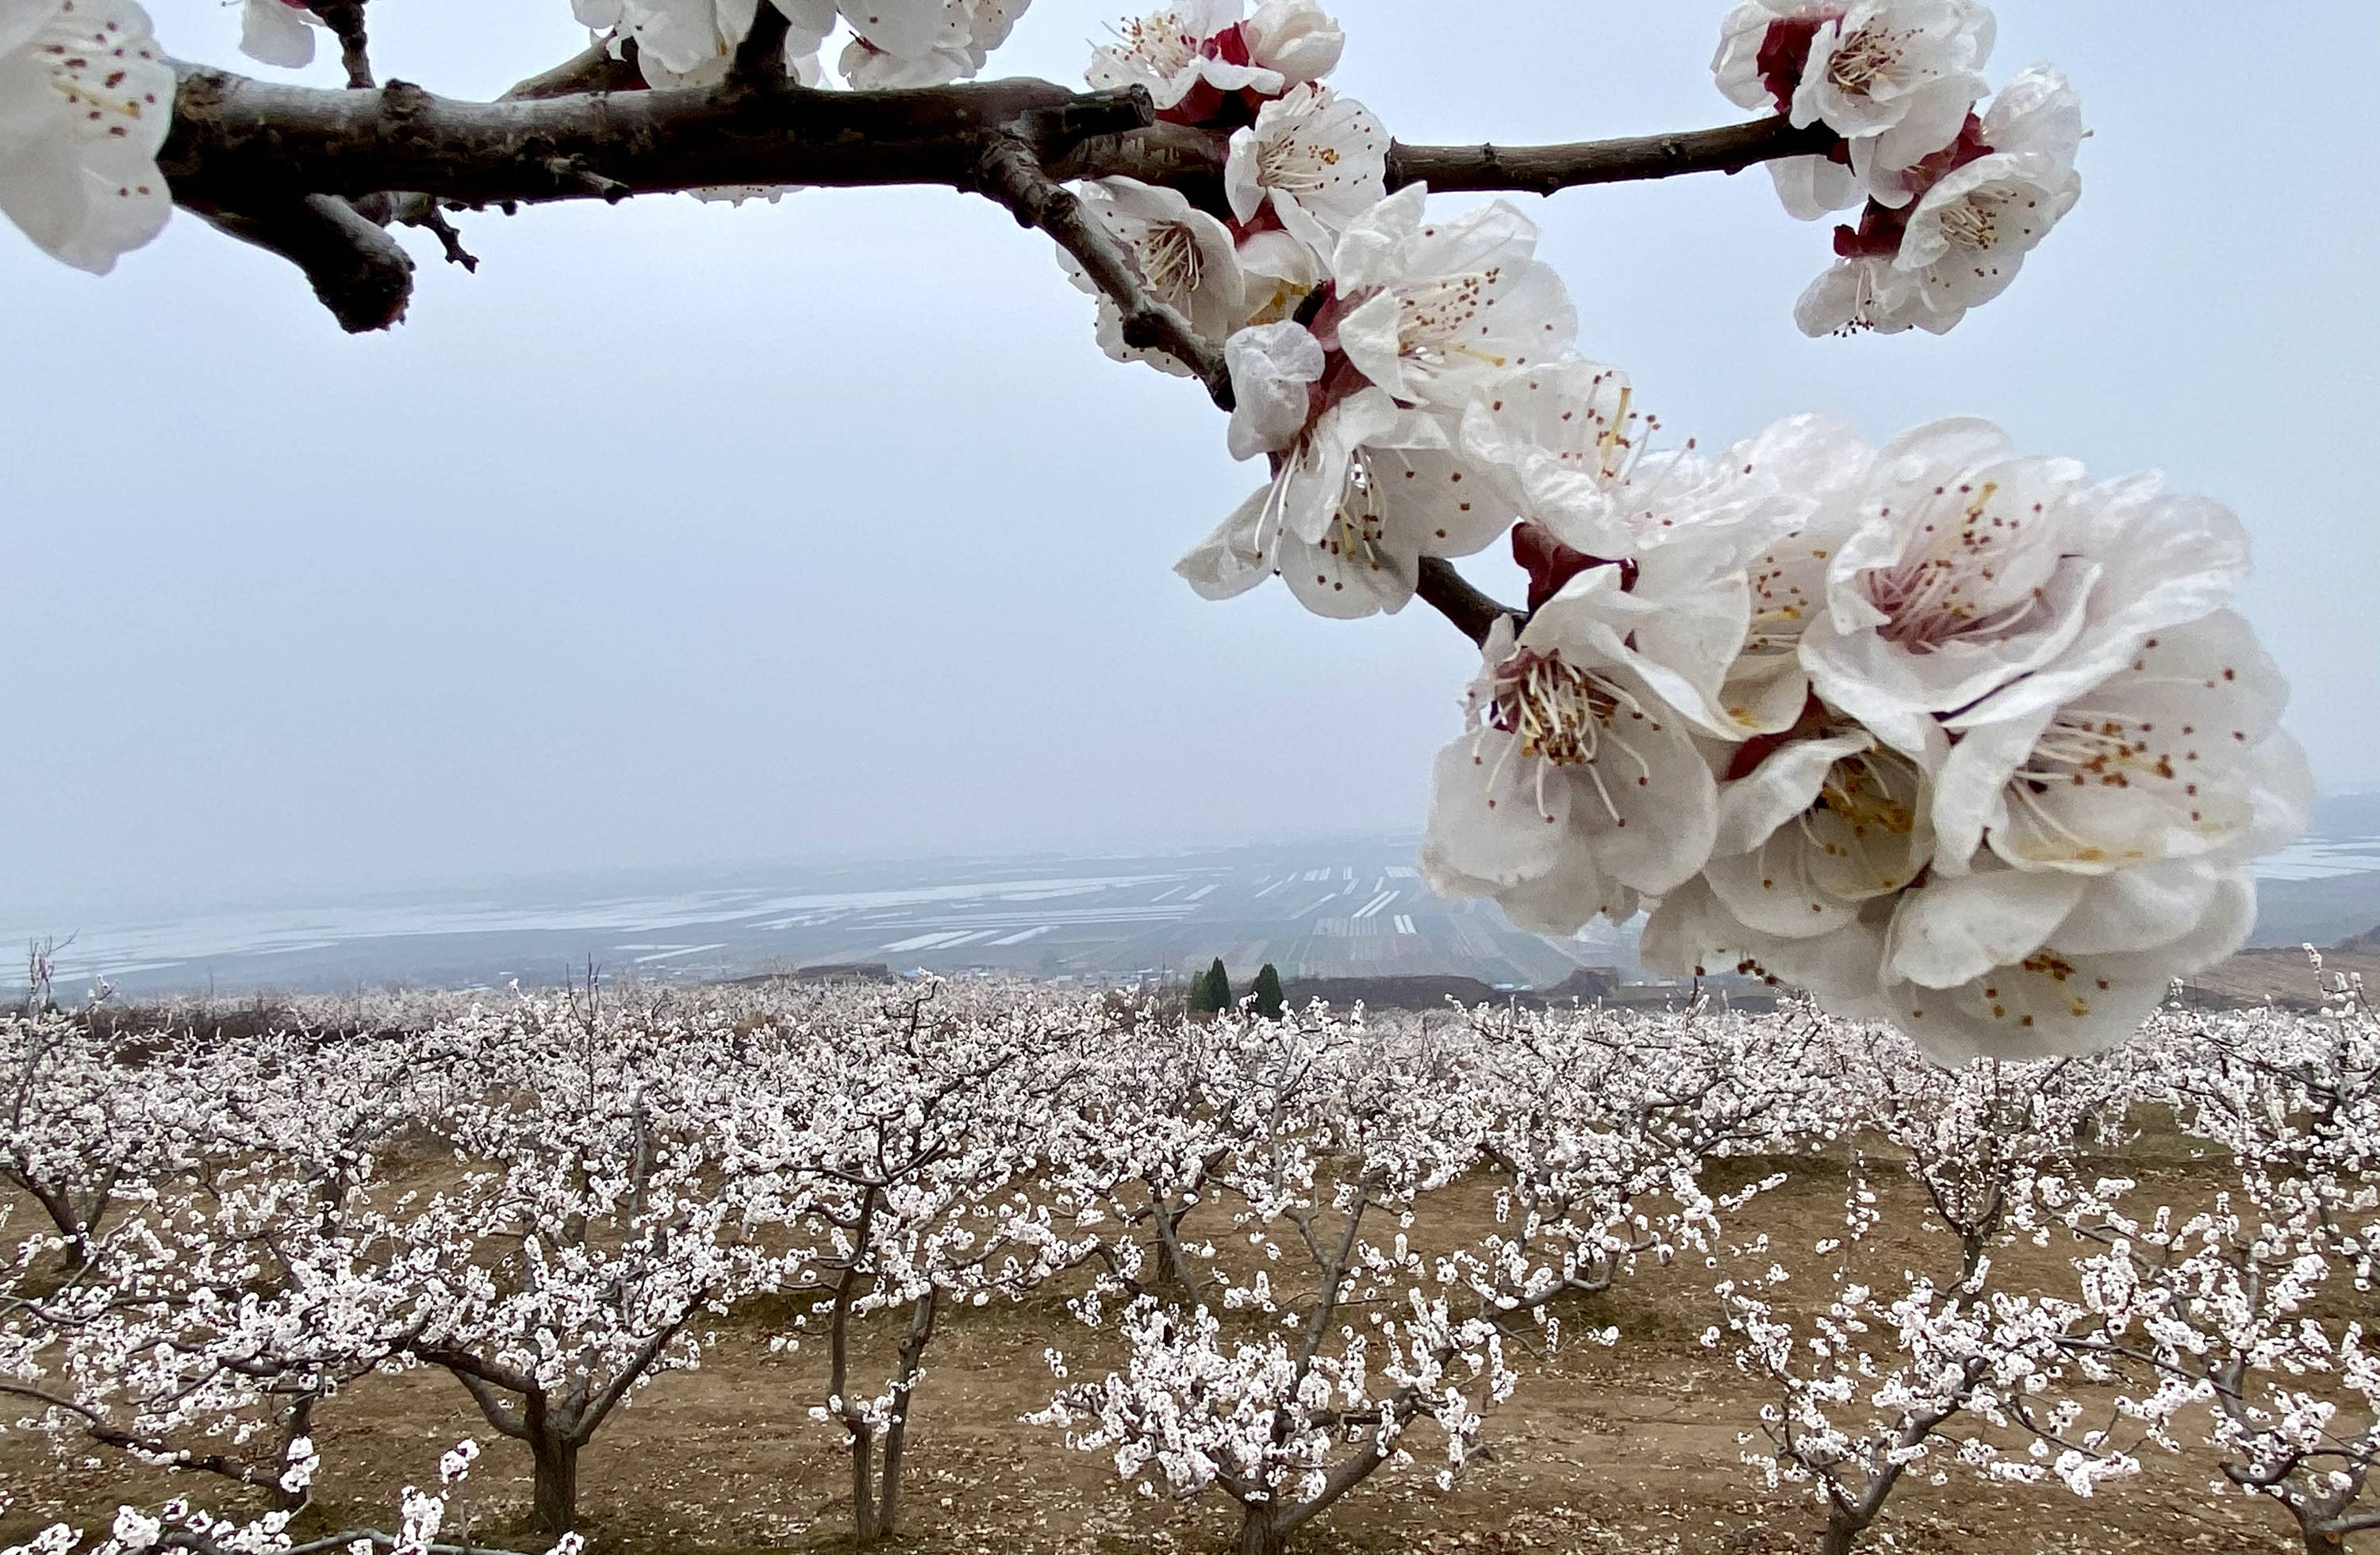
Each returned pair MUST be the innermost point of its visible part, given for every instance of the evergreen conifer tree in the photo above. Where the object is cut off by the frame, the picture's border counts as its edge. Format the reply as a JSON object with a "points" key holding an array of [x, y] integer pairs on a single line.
{"points": [[1214, 989], [1267, 993]]}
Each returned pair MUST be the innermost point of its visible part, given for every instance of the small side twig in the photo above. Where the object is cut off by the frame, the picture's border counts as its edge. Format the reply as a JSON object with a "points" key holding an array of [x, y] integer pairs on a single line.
{"points": [[362, 275], [592, 70], [760, 59], [1544, 169], [1451, 594], [345, 20], [1009, 174], [421, 210]]}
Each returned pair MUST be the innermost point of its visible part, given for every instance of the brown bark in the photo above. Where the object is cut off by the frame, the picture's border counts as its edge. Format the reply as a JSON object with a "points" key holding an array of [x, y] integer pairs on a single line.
{"points": [[1260, 1532], [554, 1499]]}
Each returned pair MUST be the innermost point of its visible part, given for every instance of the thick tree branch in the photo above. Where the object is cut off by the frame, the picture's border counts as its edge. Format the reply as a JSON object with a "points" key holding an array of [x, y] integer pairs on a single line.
{"points": [[1010, 175], [235, 139], [236, 142]]}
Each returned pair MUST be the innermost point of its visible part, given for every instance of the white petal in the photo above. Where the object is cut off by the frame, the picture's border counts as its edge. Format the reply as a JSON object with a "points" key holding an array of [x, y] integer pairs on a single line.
{"points": [[1948, 931], [1271, 366], [905, 28], [1489, 827], [1779, 788], [1230, 561], [276, 34]]}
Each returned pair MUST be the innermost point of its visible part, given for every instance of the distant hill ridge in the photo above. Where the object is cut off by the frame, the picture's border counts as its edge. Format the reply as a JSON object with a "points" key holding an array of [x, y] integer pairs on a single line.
{"points": [[2281, 976]]}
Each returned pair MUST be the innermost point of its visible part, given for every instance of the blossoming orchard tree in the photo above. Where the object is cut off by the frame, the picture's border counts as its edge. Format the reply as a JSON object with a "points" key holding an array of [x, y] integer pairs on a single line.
{"points": [[1946, 732]]}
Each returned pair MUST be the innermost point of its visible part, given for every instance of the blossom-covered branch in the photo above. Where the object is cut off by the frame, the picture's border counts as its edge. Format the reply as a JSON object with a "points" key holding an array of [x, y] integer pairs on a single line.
{"points": [[237, 139]]}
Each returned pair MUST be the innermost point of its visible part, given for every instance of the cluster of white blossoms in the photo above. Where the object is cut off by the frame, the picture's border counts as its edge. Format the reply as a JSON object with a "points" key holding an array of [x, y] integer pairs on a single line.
{"points": [[891, 43], [1951, 201], [1943, 734], [690, 42]]}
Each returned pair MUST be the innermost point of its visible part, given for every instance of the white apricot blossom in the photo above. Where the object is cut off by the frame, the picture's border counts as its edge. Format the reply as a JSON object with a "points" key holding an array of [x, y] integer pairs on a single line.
{"points": [[1571, 458], [2178, 754], [2034, 757], [1425, 308], [1311, 162], [1189, 58], [1762, 48], [1362, 489], [1862, 292], [278, 33], [1199, 56], [1824, 461], [894, 43], [1578, 786], [1895, 77], [1281, 271], [1823, 825], [1819, 832], [1971, 567], [1980, 208], [86, 98], [1969, 232], [691, 42], [2017, 964], [1185, 255], [1295, 38], [969, 31]]}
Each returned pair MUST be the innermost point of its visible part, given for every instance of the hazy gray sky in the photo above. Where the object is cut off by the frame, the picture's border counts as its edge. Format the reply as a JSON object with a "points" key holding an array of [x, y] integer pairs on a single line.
{"points": [[690, 534]]}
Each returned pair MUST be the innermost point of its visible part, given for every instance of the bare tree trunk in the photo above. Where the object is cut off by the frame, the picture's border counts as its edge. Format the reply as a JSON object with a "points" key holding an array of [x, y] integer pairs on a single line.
{"points": [[913, 1355], [1839, 1538], [863, 1487], [556, 1499], [1260, 1531]]}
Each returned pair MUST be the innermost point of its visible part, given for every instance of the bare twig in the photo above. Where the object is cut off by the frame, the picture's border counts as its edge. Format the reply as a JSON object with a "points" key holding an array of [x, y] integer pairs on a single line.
{"points": [[345, 20], [1009, 174], [1448, 592], [1544, 169], [360, 273], [760, 59], [595, 69], [421, 210]]}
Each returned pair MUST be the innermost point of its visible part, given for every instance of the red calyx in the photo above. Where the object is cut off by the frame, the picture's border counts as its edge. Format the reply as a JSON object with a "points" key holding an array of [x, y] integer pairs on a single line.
{"points": [[1881, 228], [1207, 107], [1785, 54], [1877, 235], [1230, 45], [1968, 147], [1551, 564]]}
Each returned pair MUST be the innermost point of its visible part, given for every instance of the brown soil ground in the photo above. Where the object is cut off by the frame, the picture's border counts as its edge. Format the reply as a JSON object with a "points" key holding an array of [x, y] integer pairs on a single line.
{"points": [[2284, 977], [1636, 1448]]}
